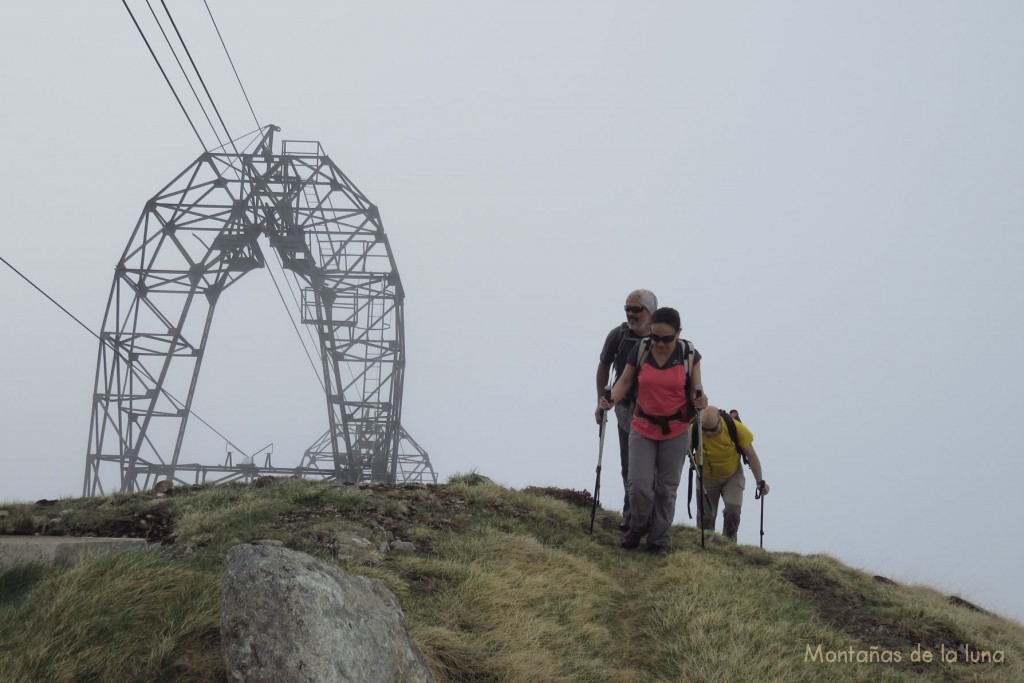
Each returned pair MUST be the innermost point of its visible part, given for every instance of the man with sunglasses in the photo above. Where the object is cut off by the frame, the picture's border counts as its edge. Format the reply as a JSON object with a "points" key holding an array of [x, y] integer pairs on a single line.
{"points": [[640, 304]]}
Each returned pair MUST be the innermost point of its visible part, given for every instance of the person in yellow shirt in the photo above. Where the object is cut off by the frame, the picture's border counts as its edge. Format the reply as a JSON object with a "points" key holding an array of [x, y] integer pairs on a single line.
{"points": [[723, 476]]}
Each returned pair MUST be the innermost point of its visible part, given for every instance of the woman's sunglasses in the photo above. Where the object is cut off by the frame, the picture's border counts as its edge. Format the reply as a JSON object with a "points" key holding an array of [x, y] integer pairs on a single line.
{"points": [[667, 339]]}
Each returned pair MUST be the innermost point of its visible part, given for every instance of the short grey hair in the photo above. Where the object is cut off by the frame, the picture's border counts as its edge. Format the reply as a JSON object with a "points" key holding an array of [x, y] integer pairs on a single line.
{"points": [[647, 299]]}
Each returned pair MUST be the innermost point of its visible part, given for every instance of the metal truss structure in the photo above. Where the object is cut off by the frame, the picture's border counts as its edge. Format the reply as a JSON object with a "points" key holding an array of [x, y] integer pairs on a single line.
{"points": [[198, 236]]}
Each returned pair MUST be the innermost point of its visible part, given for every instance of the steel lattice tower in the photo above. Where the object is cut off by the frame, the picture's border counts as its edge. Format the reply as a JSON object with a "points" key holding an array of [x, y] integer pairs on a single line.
{"points": [[198, 236]]}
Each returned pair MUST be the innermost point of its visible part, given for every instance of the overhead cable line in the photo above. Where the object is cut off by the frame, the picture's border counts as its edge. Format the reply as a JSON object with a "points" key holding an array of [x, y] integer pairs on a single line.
{"points": [[232, 62], [52, 300], [146, 374], [302, 341], [295, 286], [188, 80], [164, 73], [201, 81]]}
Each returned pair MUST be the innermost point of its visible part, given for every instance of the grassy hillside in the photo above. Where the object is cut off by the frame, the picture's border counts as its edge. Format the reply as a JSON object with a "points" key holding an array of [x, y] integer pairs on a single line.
{"points": [[504, 586]]}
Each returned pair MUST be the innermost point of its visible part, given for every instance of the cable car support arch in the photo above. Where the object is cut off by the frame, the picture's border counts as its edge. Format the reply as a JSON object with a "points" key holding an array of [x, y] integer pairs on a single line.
{"points": [[199, 235]]}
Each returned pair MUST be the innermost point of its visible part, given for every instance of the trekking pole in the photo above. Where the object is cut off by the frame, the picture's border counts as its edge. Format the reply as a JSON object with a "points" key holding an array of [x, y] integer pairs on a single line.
{"points": [[758, 494], [600, 454], [705, 505], [700, 467]]}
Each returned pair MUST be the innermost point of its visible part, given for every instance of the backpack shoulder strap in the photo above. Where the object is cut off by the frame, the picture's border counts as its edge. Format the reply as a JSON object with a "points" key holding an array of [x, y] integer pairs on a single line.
{"points": [[688, 365], [623, 336], [730, 425], [687, 355], [643, 350]]}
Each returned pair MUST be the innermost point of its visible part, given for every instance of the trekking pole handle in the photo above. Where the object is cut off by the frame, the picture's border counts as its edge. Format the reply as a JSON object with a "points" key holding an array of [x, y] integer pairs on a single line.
{"points": [[698, 390], [759, 491], [607, 396]]}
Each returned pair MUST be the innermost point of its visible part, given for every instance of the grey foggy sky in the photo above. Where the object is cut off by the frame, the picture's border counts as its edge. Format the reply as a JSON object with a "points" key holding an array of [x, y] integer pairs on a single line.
{"points": [[828, 192]]}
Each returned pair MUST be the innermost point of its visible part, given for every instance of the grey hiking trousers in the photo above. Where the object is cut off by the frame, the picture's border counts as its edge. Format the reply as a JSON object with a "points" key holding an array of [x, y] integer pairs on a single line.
{"points": [[655, 468], [729, 490]]}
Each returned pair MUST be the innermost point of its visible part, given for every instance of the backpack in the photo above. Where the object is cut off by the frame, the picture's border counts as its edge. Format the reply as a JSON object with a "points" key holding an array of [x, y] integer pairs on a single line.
{"points": [[730, 426], [644, 350]]}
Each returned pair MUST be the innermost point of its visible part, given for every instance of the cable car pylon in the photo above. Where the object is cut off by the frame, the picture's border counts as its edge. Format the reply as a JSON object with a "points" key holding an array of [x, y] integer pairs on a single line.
{"points": [[197, 237]]}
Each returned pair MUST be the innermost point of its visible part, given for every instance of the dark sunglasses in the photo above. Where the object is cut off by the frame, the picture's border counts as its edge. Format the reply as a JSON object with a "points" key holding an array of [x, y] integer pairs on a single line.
{"points": [[634, 309], [667, 339]]}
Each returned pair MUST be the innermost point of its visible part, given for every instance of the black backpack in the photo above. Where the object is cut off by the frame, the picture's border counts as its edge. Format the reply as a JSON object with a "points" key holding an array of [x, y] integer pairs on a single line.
{"points": [[730, 425]]}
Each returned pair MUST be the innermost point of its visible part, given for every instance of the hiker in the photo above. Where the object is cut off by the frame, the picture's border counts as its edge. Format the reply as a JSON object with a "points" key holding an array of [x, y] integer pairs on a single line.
{"points": [[659, 437], [723, 475], [640, 304], [735, 414]]}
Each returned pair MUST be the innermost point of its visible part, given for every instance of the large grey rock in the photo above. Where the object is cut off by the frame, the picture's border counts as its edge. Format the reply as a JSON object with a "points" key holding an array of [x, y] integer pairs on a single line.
{"points": [[288, 617]]}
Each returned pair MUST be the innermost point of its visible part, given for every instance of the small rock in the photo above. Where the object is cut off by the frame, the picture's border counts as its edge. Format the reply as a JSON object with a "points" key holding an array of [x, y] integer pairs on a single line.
{"points": [[357, 549], [960, 602], [164, 486], [403, 547]]}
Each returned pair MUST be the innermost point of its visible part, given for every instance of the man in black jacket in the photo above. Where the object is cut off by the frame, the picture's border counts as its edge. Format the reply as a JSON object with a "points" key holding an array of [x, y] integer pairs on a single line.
{"points": [[640, 304]]}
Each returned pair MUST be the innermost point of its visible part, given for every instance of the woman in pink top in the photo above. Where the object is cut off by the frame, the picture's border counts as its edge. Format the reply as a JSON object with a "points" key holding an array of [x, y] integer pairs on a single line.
{"points": [[659, 437]]}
